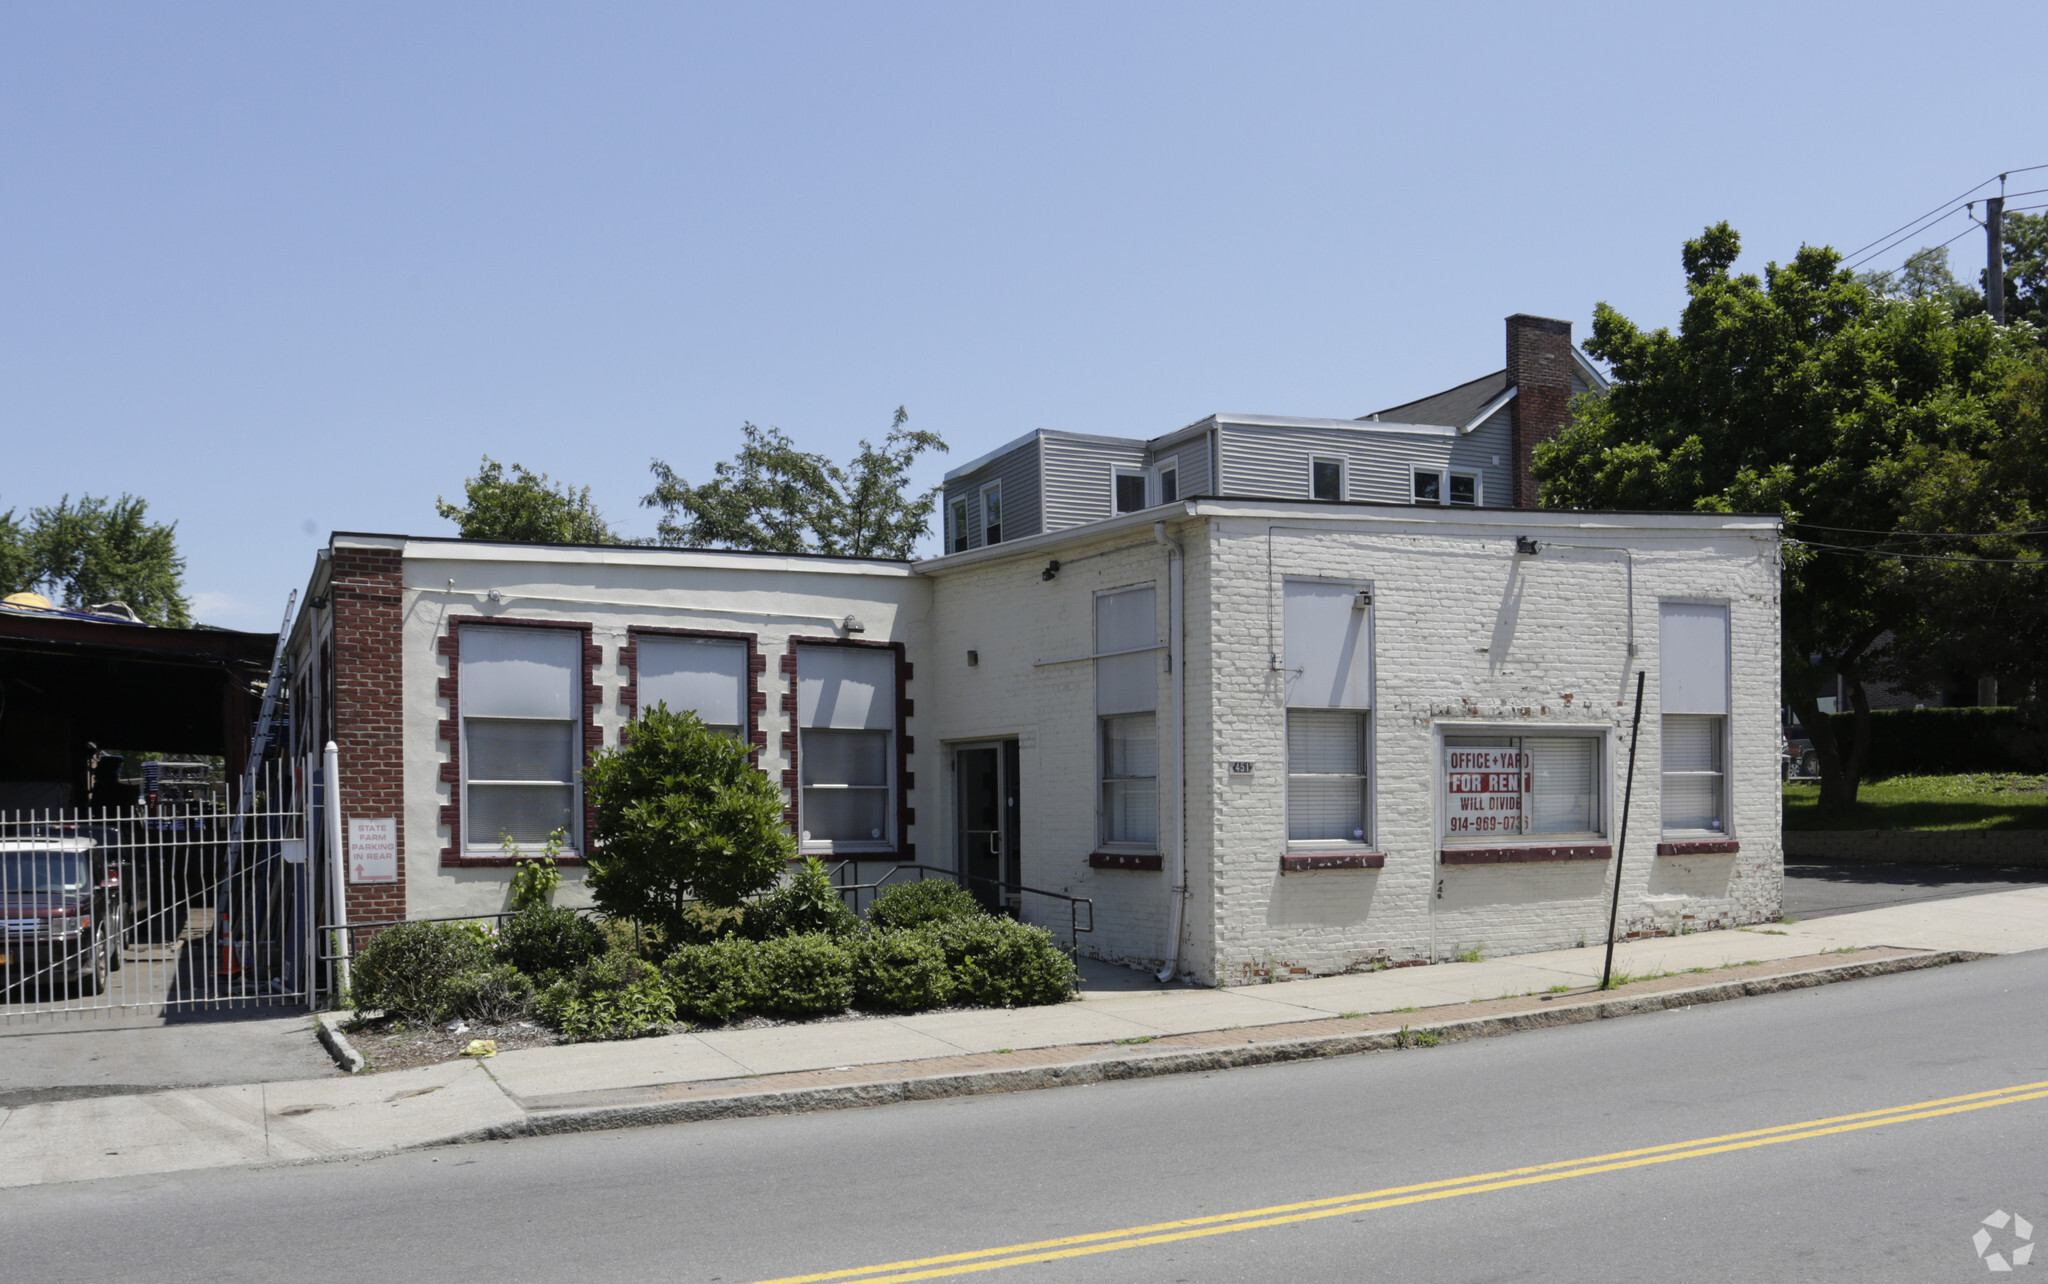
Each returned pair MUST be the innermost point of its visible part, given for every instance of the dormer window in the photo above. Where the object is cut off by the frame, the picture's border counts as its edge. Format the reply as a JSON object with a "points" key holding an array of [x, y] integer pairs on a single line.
{"points": [[1169, 480], [1130, 492], [992, 513], [1326, 478], [957, 513]]}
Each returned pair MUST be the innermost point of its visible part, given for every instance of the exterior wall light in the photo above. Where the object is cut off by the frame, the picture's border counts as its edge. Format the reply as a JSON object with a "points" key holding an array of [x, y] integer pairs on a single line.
{"points": [[1527, 545], [1052, 568]]}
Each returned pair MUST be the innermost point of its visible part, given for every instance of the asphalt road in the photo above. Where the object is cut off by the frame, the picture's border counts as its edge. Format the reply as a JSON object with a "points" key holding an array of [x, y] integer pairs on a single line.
{"points": [[1898, 1199], [1817, 890]]}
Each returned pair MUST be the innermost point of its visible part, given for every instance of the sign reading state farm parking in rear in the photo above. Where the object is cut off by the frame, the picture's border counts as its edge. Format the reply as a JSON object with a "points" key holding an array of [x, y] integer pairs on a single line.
{"points": [[373, 851], [1483, 791]]}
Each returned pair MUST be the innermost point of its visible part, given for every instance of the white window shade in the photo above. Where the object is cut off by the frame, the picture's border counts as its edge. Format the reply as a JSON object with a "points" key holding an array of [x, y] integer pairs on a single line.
{"points": [[1328, 641], [1127, 622], [843, 686], [1325, 776], [1563, 794], [707, 676], [1692, 641], [520, 673], [1694, 782]]}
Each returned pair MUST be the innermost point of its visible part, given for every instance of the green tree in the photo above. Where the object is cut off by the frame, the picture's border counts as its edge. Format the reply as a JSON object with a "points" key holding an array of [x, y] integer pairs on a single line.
{"points": [[681, 812], [2026, 268], [774, 498], [525, 507], [97, 550], [1802, 394]]}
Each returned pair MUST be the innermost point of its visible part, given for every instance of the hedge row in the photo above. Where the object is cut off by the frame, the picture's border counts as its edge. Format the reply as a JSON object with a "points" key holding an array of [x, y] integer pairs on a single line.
{"points": [[1940, 742]]}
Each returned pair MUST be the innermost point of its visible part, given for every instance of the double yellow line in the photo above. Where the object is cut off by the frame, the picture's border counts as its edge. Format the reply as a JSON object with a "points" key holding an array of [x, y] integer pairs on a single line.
{"points": [[1052, 1250]]}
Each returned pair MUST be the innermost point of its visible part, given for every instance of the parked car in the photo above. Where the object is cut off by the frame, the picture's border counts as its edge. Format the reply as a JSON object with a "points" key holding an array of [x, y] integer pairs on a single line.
{"points": [[1799, 760], [61, 913]]}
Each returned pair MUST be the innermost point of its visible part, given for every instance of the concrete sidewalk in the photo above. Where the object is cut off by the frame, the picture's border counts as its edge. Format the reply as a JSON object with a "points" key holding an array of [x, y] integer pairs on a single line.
{"points": [[1103, 1034]]}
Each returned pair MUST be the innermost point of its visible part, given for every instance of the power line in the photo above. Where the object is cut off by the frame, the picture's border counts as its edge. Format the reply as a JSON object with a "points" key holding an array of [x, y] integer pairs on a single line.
{"points": [[1913, 227], [1895, 534], [1844, 550]]}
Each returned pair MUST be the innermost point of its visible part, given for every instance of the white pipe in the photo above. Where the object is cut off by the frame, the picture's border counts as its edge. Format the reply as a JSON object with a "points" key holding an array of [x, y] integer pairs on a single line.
{"points": [[337, 860], [1177, 882]]}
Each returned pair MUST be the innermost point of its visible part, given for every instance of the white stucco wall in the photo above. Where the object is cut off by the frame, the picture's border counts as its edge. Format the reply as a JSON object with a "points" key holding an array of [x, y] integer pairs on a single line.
{"points": [[774, 597]]}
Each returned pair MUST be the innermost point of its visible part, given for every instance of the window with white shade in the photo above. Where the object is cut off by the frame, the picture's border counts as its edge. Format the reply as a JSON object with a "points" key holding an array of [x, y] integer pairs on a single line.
{"points": [[846, 748], [1518, 787], [1127, 713], [1327, 639], [1692, 643], [706, 676], [521, 698]]}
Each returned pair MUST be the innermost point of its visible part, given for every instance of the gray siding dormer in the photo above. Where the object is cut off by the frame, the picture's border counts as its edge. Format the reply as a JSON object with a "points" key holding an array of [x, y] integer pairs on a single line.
{"points": [[1080, 475], [1015, 468]]}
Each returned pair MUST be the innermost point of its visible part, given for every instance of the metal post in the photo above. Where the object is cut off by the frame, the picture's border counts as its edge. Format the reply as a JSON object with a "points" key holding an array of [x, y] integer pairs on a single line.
{"points": [[1994, 257], [1621, 849]]}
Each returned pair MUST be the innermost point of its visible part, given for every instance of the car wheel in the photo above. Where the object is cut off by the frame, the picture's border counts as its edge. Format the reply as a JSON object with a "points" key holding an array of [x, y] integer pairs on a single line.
{"points": [[1809, 763], [92, 975]]}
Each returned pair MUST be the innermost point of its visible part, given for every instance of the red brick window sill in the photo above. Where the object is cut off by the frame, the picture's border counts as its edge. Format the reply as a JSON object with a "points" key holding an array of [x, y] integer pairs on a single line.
{"points": [[1531, 855], [1702, 847], [1307, 862]]}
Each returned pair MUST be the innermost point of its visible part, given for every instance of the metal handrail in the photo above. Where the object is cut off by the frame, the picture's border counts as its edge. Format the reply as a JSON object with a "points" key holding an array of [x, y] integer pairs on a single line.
{"points": [[1074, 903]]}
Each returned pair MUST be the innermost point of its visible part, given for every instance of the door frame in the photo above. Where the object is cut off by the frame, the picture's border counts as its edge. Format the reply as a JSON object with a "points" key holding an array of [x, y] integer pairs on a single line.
{"points": [[1009, 796]]}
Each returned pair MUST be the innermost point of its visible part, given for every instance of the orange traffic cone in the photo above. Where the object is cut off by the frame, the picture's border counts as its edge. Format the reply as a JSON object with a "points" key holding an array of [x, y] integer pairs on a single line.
{"points": [[228, 964]]}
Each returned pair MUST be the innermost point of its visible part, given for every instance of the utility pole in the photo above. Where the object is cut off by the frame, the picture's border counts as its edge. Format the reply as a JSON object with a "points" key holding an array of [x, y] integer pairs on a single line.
{"points": [[1994, 253]]}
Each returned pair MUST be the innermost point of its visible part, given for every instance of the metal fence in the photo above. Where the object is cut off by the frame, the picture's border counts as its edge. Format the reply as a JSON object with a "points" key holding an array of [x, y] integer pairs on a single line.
{"points": [[201, 905]]}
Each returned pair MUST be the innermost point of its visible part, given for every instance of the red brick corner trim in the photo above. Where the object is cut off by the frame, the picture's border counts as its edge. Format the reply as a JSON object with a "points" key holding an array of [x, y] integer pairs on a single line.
{"points": [[366, 705], [450, 730], [757, 664], [792, 779], [1525, 855], [1306, 862], [1704, 847], [1124, 860]]}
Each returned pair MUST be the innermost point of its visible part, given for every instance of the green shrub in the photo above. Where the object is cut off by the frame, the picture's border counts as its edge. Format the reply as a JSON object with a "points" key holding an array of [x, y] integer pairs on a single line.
{"points": [[1945, 742], [492, 995], [403, 969], [647, 940], [613, 996], [682, 813], [535, 878], [716, 981], [803, 976], [999, 962], [899, 972], [931, 900], [546, 939], [807, 903], [700, 923]]}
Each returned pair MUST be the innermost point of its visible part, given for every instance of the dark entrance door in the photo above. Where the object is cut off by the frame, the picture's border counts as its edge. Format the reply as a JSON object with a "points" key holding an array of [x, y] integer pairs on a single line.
{"points": [[989, 821]]}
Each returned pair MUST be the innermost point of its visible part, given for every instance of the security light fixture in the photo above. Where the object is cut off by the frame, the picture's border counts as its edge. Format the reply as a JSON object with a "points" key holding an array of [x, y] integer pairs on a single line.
{"points": [[1052, 568], [1526, 544], [852, 625]]}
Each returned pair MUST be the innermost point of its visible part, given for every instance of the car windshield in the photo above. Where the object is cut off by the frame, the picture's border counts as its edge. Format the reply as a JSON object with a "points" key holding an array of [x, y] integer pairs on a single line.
{"points": [[41, 871]]}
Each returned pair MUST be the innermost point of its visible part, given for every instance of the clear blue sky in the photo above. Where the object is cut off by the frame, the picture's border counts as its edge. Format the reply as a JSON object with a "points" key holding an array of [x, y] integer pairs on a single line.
{"points": [[283, 269]]}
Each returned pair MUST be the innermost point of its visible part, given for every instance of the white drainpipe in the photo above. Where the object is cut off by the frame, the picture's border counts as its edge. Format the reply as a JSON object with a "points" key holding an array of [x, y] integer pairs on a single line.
{"points": [[1177, 878], [337, 859]]}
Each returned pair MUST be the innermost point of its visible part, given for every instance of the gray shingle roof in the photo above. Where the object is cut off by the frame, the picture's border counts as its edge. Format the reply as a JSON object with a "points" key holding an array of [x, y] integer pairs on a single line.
{"points": [[1453, 406]]}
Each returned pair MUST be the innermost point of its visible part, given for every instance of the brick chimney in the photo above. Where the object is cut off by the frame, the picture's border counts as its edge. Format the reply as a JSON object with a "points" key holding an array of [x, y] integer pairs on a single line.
{"points": [[1540, 366]]}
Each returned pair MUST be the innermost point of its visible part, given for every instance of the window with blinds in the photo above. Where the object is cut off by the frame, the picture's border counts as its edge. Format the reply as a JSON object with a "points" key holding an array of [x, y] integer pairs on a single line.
{"points": [[1325, 776], [1692, 683], [1326, 637], [706, 676], [1126, 708], [1694, 779], [1507, 787], [846, 742], [522, 709]]}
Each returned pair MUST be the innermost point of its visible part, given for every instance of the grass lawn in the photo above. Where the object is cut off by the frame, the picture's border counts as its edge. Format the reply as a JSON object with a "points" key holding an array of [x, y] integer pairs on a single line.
{"points": [[1982, 801]]}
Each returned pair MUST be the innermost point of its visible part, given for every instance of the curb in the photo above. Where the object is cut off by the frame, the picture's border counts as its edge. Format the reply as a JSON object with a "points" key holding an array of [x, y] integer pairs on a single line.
{"points": [[1167, 1062], [327, 1025]]}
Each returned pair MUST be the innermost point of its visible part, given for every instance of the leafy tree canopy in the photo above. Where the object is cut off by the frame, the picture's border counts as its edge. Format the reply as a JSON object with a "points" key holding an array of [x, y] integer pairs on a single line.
{"points": [[682, 812], [774, 498], [525, 507], [1800, 393], [94, 551]]}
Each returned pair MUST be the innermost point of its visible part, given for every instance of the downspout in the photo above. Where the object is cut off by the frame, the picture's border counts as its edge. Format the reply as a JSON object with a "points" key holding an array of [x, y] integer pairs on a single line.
{"points": [[1177, 880]]}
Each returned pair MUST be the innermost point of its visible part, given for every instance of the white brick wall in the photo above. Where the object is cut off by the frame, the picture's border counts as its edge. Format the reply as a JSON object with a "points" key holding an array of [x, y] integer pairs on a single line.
{"points": [[1554, 629]]}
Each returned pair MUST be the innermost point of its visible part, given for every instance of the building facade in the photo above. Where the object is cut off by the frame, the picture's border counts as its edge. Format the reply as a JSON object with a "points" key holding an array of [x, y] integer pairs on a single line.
{"points": [[1262, 738]]}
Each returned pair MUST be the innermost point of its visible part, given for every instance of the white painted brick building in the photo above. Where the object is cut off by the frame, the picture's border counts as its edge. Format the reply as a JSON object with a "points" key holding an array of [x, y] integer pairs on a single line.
{"points": [[1262, 737]]}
